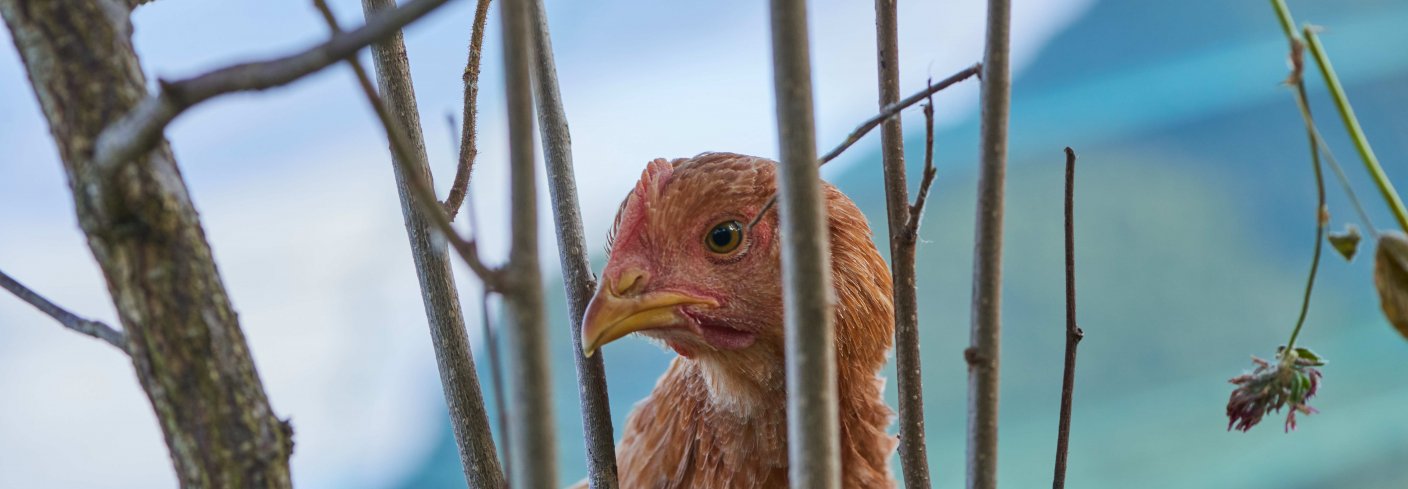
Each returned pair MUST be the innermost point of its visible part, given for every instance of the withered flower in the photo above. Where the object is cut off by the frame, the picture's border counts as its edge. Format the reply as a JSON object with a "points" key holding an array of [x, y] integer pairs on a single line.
{"points": [[1290, 383]]}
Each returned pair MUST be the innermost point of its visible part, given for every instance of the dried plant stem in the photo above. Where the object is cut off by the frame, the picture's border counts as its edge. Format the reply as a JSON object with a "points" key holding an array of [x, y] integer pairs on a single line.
{"points": [[467, 149], [1073, 331], [572, 245], [812, 411], [458, 377], [1322, 213], [69, 320], [531, 420], [913, 459], [984, 352]]}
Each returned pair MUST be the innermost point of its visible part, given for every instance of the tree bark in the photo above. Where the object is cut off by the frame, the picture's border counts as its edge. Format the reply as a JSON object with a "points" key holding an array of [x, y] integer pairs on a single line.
{"points": [[572, 244], [813, 421], [913, 458], [453, 357], [531, 429], [182, 333]]}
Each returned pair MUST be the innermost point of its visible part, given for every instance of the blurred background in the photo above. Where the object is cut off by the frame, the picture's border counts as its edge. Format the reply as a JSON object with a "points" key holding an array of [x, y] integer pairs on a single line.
{"points": [[1195, 207]]}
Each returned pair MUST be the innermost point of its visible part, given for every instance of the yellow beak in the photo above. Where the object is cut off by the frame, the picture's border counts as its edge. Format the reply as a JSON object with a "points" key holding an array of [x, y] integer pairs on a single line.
{"points": [[610, 316]]}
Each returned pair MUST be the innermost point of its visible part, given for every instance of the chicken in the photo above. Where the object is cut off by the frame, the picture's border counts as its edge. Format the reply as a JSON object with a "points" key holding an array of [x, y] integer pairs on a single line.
{"points": [[686, 271]]}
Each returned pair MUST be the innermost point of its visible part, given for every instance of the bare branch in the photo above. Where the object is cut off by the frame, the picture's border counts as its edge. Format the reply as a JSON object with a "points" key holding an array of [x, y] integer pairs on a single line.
{"points": [[886, 112], [468, 135], [491, 345], [142, 127], [913, 459], [423, 217], [984, 352], [812, 412], [531, 426], [572, 246], [67, 319], [916, 211], [1073, 332]]}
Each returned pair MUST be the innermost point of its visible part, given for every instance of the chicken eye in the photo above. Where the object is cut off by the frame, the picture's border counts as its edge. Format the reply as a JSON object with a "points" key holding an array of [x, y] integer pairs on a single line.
{"points": [[724, 237]]}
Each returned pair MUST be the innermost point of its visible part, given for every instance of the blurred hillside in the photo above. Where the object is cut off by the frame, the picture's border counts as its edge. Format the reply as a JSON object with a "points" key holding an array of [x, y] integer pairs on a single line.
{"points": [[1194, 221]]}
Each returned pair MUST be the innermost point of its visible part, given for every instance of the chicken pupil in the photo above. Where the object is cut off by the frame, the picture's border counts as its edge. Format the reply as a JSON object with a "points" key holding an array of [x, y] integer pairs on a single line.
{"points": [[724, 236]]}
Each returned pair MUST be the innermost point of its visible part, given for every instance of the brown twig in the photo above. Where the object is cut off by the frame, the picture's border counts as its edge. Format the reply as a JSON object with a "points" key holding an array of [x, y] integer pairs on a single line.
{"points": [[985, 332], [916, 211], [491, 346], [423, 215], [419, 187], [914, 460], [572, 245], [1073, 331], [141, 128], [67, 319], [468, 132], [886, 112]]}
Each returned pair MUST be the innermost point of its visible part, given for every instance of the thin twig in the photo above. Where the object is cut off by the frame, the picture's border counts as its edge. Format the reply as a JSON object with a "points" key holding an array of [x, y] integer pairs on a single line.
{"points": [[141, 128], [885, 113], [1073, 331], [67, 319], [985, 348], [578, 281], [1322, 213], [812, 412], [467, 149], [916, 211], [455, 362], [420, 188], [532, 422], [914, 461]]}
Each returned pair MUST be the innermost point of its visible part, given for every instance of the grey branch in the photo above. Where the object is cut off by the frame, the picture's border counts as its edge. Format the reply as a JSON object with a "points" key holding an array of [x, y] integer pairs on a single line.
{"points": [[812, 413], [1073, 331], [572, 246], [469, 133], [469, 421], [67, 319], [531, 421], [985, 348], [913, 459], [142, 128]]}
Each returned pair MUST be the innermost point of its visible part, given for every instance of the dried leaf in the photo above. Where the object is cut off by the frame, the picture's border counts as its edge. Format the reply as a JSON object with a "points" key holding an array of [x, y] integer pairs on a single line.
{"points": [[1346, 242], [1391, 278]]}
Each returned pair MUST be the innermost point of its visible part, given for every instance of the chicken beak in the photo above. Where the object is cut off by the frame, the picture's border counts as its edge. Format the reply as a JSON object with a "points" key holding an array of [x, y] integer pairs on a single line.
{"points": [[610, 316]]}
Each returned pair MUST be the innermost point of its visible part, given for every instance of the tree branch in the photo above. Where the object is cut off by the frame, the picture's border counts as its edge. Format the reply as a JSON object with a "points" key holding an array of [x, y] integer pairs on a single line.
{"points": [[916, 211], [913, 459], [572, 246], [886, 112], [984, 353], [812, 412], [531, 422], [468, 135], [67, 319], [454, 360], [142, 128], [1073, 331]]}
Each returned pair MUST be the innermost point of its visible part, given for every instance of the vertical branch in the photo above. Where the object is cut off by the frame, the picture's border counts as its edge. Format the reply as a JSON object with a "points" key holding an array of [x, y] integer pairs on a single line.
{"points": [[984, 353], [531, 423], [469, 134], [812, 422], [572, 246], [428, 249], [1073, 332], [188, 350], [913, 459]]}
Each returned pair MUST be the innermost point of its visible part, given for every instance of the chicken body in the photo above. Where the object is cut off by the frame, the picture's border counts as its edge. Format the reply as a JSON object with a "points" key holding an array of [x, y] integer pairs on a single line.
{"points": [[686, 271]]}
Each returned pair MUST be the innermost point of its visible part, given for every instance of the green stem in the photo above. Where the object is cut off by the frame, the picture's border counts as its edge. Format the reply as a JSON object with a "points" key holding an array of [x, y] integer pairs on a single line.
{"points": [[1321, 213], [1351, 123]]}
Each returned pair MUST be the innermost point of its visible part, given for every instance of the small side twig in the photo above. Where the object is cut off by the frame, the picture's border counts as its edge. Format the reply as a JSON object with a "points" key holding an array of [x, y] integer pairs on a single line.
{"points": [[1073, 331], [926, 180], [491, 346], [420, 188], [870, 124], [67, 319], [139, 130], [468, 134]]}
